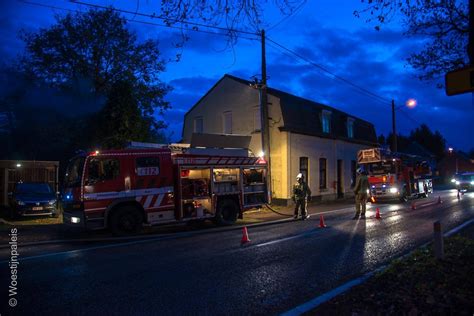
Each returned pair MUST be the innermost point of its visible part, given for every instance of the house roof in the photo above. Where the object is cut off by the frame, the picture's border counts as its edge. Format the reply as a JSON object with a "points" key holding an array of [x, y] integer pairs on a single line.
{"points": [[302, 116]]}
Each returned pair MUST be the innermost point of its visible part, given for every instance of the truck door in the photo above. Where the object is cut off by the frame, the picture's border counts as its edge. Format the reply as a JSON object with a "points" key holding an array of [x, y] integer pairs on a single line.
{"points": [[103, 183], [154, 187]]}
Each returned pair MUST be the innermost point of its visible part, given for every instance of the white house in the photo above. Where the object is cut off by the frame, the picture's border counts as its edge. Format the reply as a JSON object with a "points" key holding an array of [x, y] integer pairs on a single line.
{"points": [[305, 136]]}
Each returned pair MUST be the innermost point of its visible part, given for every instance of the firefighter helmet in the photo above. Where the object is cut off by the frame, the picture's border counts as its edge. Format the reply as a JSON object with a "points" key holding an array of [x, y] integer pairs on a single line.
{"points": [[299, 176]]}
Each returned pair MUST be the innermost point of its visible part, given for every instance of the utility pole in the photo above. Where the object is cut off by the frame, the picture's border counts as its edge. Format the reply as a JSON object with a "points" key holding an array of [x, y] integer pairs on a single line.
{"points": [[394, 129], [470, 45], [264, 117]]}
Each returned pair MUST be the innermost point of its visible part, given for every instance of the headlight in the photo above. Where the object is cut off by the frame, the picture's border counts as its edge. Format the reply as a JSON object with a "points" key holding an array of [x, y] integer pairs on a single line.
{"points": [[457, 182], [52, 202], [393, 190], [20, 202], [453, 180], [368, 191], [472, 182]]}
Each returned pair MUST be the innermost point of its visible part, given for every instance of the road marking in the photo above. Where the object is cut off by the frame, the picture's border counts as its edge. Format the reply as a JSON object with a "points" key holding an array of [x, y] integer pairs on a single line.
{"points": [[286, 238], [95, 248], [315, 302], [457, 229]]}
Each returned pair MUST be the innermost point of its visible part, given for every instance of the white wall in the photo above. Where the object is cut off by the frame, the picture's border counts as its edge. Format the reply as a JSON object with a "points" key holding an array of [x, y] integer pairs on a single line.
{"points": [[315, 148]]}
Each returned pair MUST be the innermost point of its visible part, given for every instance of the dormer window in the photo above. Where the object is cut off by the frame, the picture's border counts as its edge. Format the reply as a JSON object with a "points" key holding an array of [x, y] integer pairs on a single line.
{"points": [[326, 121], [350, 127]]}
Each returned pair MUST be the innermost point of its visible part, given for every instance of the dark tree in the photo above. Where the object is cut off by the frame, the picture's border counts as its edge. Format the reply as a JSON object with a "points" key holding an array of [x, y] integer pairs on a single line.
{"points": [[120, 121], [381, 140], [402, 142], [96, 46], [445, 24], [434, 142], [234, 13]]}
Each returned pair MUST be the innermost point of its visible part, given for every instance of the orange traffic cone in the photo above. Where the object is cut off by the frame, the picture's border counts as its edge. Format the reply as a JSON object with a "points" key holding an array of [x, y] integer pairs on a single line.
{"points": [[413, 206], [245, 236], [321, 221], [439, 199], [377, 214]]}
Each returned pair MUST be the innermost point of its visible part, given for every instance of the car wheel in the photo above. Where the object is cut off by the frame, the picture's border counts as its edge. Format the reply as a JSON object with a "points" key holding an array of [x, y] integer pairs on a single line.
{"points": [[227, 212], [125, 221]]}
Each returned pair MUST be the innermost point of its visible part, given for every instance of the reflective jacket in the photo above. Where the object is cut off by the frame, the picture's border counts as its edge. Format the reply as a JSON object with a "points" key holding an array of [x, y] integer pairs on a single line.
{"points": [[362, 184], [300, 191]]}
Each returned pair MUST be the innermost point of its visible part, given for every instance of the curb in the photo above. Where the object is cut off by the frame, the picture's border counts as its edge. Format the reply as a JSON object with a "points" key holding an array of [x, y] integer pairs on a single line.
{"points": [[325, 297]]}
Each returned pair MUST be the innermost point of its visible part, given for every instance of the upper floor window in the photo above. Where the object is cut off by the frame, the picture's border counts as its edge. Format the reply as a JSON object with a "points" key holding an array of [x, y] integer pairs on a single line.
{"points": [[227, 120], [326, 121], [198, 125], [350, 127]]}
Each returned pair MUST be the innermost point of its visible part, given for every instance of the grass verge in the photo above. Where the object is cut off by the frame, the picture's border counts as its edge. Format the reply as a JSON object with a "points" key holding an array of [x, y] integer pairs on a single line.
{"points": [[418, 284]]}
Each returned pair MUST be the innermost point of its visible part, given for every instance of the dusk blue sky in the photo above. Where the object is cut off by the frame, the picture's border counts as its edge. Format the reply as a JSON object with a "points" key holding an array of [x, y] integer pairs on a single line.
{"points": [[325, 32]]}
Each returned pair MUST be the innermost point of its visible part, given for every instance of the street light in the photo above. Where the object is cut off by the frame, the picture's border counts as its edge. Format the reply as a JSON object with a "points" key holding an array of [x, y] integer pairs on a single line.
{"points": [[411, 103]]}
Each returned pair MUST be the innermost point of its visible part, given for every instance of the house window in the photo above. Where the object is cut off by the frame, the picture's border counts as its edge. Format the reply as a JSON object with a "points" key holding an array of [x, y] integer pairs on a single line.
{"points": [[353, 173], [322, 173], [227, 122], [326, 121], [198, 125], [350, 127], [304, 167], [257, 120]]}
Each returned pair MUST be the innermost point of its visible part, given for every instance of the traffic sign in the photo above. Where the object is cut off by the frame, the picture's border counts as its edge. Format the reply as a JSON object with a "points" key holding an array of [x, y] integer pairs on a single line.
{"points": [[460, 81]]}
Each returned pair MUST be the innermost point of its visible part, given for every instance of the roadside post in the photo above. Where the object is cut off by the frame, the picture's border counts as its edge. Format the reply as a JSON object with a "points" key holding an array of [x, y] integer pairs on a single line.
{"points": [[438, 244]]}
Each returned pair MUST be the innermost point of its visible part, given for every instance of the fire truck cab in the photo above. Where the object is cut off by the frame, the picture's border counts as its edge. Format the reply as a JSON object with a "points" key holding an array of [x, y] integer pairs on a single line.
{"points": [[396, 176], [125, 189]]}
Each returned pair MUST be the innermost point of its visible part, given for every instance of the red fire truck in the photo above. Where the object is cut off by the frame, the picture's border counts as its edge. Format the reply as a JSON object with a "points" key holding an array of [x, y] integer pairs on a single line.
{"points": [[125, 189], [396, 175]]}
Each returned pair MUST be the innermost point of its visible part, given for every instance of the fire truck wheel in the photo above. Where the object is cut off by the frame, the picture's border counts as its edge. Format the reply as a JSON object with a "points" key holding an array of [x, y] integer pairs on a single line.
{"points": [[125, 220], [227, 212]]}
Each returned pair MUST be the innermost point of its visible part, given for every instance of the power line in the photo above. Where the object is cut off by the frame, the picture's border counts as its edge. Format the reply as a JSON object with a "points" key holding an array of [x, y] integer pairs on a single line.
{"points": [[139, 21], [153, 16], [359, 89], [303, 2], [329, 72]]}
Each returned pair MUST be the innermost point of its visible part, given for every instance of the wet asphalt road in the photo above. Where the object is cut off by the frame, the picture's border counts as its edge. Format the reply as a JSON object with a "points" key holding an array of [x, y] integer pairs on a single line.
{"points": [[210, 273]]}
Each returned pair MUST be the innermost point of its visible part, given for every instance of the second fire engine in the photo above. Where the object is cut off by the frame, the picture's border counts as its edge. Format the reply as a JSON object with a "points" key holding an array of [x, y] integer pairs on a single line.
{"points": [[396, 175]]}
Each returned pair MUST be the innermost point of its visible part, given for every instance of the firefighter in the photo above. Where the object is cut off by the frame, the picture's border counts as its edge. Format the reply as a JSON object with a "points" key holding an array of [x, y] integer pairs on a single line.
{"points": [[361, 193], [301, 194]]}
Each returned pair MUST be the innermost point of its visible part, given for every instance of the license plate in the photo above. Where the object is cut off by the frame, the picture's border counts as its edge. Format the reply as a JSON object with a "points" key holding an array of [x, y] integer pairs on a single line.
{"points": [[37, 208]]}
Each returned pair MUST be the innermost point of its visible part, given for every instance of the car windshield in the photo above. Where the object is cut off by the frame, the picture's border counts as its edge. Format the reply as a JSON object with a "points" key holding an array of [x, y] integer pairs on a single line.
{"points": [[74, 172], [466, 177], [33, 188]]}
